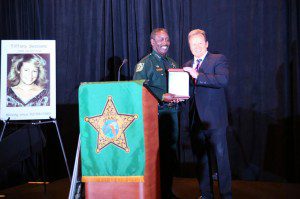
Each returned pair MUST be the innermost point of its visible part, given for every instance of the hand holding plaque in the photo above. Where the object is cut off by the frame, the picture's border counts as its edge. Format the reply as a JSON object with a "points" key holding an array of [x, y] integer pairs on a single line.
{"points": [[169, 97]]}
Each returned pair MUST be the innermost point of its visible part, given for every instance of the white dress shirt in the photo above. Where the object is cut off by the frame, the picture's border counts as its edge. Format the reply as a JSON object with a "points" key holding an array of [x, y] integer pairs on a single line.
{"points": [[196, 62]]}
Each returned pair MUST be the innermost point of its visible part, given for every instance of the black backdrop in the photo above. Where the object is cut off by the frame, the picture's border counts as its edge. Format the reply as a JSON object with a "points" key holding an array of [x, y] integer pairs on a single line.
{"points": [[259, 37]]}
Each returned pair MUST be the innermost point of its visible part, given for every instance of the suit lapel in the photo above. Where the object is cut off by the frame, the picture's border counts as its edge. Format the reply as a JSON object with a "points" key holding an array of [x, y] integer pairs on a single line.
{"points": [[205, 63]]}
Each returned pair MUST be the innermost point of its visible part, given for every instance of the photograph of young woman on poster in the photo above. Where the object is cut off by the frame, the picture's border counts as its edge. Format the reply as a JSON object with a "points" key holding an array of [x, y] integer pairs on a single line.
{"points": [[26, 81]]}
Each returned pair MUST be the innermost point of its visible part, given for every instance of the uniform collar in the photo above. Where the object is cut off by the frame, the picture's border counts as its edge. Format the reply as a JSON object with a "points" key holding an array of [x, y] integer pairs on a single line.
{"points": [[156, 54]]}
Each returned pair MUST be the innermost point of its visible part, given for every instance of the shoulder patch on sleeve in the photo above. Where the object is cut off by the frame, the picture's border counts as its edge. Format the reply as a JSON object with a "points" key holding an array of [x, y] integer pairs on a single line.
{"points": [[139, 67]]}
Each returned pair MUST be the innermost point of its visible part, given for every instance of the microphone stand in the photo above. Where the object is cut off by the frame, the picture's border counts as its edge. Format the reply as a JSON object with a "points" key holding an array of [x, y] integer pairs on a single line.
{"points": [[119, 70]]}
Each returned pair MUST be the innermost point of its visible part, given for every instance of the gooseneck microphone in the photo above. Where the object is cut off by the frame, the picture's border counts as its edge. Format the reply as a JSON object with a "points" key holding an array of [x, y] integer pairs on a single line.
{"points": [[119, 70]]}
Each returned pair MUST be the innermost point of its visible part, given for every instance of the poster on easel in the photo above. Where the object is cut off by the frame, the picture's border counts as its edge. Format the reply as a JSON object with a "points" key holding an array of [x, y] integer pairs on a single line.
{"points": [[28, 80]]}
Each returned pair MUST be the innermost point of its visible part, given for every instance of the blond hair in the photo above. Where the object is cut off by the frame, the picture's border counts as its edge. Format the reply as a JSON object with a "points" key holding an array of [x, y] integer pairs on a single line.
{"points": [[17, 63], [197, 32]]}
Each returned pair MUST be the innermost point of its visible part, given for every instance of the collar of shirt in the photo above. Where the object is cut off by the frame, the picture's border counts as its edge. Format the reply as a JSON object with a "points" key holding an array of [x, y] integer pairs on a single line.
{"points": [[156, 54], [195, 60], [166, 63]]}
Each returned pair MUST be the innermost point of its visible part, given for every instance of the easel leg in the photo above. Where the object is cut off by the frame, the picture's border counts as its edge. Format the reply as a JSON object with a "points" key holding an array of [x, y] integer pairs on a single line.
{"points": [[43, 161], [3, 129], [62, 148]]}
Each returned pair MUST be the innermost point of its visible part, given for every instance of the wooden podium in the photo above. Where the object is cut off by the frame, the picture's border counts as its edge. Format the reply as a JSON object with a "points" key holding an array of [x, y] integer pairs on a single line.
{"points": [[150, 187]]}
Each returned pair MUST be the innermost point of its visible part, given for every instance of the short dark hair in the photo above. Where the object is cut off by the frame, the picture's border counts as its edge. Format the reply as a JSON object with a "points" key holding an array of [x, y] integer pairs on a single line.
{"points": [[197, 32], [156, 30]]}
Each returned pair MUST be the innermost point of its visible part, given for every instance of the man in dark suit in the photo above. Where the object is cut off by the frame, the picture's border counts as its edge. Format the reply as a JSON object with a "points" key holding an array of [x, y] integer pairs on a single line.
{"points": [[209, 74]]}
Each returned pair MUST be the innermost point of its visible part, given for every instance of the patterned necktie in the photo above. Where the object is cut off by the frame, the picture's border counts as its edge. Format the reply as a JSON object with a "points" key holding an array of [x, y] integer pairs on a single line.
{"points": [[197, 68], [198, 64]]}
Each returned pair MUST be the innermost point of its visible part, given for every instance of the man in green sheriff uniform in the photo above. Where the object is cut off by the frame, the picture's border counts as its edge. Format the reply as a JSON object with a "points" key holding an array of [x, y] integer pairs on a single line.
{"points": [[154, 69]]}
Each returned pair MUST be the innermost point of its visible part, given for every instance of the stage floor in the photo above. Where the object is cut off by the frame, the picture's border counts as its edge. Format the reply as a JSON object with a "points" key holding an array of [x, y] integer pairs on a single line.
{"points": [[184, 188]]}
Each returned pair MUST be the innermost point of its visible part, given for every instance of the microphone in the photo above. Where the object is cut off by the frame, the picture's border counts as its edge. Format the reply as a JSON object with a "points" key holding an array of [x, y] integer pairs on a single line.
{"points": [[119, 71]]}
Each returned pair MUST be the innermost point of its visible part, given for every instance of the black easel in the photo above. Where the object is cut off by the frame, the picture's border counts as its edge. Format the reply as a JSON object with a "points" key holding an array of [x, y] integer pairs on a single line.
{"points": [[36, 123]]}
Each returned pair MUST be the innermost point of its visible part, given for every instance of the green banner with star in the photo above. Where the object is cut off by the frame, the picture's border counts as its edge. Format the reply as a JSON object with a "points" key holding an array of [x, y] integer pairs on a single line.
{"points": [[112, 132]]}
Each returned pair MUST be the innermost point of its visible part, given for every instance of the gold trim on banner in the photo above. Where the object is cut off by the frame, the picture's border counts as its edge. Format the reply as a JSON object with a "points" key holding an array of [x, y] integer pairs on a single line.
{"points": [[112, 179]]}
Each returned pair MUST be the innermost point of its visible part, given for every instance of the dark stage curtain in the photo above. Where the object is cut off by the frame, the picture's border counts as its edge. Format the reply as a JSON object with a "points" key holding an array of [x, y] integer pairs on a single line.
{"points": [[259, 37]]}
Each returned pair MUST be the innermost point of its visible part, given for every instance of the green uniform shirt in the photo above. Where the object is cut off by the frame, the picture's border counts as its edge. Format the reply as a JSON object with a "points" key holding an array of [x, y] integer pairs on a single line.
{"points": [[154, 70]]}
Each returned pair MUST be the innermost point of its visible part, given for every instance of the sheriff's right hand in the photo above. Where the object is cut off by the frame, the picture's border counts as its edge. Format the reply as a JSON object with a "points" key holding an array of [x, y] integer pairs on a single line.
{"points": [[168, 97]]}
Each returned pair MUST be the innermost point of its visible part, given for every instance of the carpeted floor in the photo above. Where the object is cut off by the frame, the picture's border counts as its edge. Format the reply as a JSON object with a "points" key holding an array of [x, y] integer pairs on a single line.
{"points": [[184, 188]]}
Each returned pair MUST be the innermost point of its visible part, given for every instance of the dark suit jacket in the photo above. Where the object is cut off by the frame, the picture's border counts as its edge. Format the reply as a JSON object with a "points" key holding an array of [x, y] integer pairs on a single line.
{"points": [[208, 91]]}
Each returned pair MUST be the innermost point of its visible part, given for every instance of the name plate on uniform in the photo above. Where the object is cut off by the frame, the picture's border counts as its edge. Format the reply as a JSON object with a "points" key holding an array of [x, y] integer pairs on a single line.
{"points": [[178, 83]]}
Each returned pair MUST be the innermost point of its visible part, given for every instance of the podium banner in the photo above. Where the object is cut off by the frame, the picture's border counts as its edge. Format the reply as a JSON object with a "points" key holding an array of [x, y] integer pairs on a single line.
{"points": [[112, 131]]}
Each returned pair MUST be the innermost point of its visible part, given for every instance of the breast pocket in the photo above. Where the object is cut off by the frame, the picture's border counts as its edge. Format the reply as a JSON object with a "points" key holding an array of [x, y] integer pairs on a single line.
{"points": [[159, 76]]}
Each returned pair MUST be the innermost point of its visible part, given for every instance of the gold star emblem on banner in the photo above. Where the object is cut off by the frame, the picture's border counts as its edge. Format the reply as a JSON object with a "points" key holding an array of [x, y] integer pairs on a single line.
{"points": [[111, 126]]}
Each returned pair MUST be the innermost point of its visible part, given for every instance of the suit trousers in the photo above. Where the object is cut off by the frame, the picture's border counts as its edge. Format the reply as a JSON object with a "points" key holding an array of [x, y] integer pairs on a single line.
{"points": [[205, 143]]}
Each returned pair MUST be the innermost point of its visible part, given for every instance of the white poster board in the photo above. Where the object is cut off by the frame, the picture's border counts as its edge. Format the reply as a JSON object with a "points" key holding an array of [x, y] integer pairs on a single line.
{"points": [[28, 80]]}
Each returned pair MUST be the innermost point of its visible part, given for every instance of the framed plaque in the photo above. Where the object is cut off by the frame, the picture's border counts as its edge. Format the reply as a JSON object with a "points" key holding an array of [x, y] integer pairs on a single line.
{"points": [[178, 83]]}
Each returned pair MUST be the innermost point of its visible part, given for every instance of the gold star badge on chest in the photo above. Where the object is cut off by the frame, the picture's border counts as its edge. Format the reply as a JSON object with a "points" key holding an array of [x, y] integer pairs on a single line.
{"points": [[111, 126]]}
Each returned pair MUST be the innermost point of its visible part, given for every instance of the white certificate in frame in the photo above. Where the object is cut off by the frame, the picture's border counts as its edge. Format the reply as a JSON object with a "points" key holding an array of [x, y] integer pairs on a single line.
{"points": [[178, 83]]}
